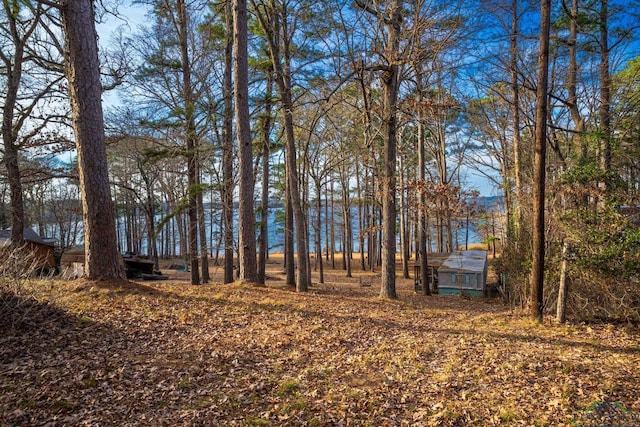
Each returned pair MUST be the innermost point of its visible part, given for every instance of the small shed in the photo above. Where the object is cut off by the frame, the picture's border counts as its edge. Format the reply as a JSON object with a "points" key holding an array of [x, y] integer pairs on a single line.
{"points": [[42, 251], [463, 272]]}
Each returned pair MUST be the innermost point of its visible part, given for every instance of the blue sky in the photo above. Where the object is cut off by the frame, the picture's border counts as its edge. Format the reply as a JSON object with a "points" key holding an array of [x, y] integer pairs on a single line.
{"points": [[132, 16]]}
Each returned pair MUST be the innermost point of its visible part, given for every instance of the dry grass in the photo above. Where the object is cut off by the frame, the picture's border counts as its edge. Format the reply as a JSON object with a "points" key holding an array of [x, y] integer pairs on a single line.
{"points": [[167, 353]]}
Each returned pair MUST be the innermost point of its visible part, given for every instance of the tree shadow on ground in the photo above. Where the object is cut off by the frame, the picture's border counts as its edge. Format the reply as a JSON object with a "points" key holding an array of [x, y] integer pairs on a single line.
{"points": [[23, 315]]}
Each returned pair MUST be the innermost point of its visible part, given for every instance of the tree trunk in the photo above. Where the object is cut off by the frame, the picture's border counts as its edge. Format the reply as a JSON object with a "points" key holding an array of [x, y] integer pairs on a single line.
{"points": [[539, 176], [360, 218], [289, 263], [150, 212], [404, 241], [102, 261], [377, 244], [19, 33], [15, 183], [177, 224], [9, 136], [346, 216], [263, 242], [422, 203], [605, 89], [284, 83], [303, 173], [369, 220], [515, 218], [390, 79], [561, 309], [204, 250], [366, 222], [281, 64], [327, 219], [572, 97], [319, 232], [276, 30], [227, 150], [221, 227], [190, 140], [449, 225], [246, 215], [332, 236], [440, 226]]}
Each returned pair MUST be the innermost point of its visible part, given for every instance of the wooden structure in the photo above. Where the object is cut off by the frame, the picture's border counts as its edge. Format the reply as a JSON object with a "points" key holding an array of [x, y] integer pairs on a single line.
{"points": [[434, 261], [136, 267], [141, 268], [72, 263], [41, 252], [432, 277]]}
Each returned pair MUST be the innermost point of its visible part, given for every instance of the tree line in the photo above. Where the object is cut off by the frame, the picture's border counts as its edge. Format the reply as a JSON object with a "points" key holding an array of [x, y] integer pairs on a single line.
{"points": [[384, 106]]}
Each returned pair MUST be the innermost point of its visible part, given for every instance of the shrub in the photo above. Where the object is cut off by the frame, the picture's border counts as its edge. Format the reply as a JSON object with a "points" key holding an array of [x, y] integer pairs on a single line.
{"points": [[19, 266]]}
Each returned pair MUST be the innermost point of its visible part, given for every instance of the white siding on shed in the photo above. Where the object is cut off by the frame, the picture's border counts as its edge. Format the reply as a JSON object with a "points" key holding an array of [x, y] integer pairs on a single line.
{"points": [[464, 270]]}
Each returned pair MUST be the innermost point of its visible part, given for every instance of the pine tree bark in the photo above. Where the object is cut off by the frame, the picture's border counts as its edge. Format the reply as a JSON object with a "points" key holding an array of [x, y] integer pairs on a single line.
{"points": [[191, 143], [204, 249], [346, 217], [246, 214], [303, 279], [390, 79], [274, 23], [405, 245], [332, 227], [150, 213], [422, 201], [82, 67], [539, 164], [289, 253], [360, 217], [365, 222], [227, 150], [263, 242], [318, 232], [327, 220]]}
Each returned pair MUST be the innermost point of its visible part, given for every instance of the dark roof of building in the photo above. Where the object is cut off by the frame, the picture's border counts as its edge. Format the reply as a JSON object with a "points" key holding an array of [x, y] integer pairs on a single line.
{"points": [[29, 236]]}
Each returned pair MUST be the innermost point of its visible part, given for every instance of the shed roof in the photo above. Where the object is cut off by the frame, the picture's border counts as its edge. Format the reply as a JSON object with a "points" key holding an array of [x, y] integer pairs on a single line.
{"points": [[473, 261], [29, 236]]}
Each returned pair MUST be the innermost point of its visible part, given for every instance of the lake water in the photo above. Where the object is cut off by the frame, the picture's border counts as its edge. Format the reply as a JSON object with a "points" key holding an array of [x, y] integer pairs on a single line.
{"points": [[461, 233], [276, 226]]}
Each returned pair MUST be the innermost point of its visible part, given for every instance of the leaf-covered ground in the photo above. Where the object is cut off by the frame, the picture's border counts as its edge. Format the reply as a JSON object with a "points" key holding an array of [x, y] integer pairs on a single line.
{"points": [[168, 353]]}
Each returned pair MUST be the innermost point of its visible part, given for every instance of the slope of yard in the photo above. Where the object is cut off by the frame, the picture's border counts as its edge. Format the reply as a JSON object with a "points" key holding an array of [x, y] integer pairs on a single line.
{"points": [[168, 353]]}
